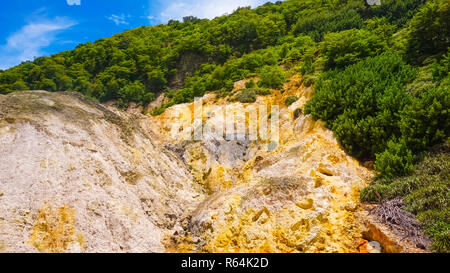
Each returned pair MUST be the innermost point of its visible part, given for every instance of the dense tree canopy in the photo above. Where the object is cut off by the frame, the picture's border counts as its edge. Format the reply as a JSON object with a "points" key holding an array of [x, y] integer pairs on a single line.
{"points": [[227, 48]]}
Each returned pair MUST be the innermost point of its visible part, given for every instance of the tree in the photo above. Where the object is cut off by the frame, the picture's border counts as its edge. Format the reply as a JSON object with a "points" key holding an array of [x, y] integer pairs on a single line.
{"points": [[350, 46], [397, 12], [19, 86], [64, 83], [190, 19], [47, 84], [134, 92], [156, 80], [318, 24], [429, 31]]}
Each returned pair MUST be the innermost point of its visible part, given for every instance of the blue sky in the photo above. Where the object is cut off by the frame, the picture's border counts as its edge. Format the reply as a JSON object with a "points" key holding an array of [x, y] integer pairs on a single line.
{"points": [[30, 29]]}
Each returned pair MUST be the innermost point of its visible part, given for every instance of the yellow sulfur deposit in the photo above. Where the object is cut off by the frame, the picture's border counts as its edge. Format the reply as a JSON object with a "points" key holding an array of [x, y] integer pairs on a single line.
{"points": [[54, 230], [300, 197]]}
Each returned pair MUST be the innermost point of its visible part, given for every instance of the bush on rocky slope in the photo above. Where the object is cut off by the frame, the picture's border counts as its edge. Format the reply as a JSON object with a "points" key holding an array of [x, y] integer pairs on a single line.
{"points": [[426, 193]]}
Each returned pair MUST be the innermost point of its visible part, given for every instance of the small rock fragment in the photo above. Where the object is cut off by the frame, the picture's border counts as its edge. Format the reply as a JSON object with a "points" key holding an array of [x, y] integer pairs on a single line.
{"points": [[363, 245], [351, 206], [374, 247], [306, 203]]}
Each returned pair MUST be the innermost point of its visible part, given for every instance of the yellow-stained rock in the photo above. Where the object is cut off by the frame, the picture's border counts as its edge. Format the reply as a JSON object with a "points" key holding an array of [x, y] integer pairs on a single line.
{"points": [[54, 230], [301, 196], [306, 203]]}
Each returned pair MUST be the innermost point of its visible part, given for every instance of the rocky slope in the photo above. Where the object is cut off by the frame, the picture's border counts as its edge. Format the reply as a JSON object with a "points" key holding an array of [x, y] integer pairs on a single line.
{"points": [[76, 176], [300, 195], [79, 176]]}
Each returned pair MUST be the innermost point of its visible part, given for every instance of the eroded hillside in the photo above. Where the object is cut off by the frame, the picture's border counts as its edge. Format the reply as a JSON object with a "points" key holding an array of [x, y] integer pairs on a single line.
{"points": [[76, 176], [299, 195]]}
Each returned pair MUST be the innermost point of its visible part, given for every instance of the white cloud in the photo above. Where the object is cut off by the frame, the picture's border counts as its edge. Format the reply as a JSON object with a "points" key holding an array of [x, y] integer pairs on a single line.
{"points": [[118, 19], [28, 42], [73, 2], [210, 9]]}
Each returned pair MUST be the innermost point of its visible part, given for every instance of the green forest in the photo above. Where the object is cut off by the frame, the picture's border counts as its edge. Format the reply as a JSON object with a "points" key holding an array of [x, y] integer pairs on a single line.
{"points": [[380, 76]]}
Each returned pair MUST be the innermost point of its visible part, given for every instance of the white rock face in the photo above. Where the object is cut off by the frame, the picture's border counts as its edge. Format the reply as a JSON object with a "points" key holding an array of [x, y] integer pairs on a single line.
{"points": [[78, 177]]}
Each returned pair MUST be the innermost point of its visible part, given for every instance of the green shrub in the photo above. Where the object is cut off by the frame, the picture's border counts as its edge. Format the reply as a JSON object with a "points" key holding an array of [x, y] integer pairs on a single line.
{"points": [[229, 85], [290, 100], [158, 111], [396, 160], [47, 84], [262, 91], [309, 80], [375, 193], [429, 31], [442, 69], [222, 93], [135, 92], [272, 77], [307, 67], [362, 103], [430, 197], [436, 223], [425, 121], [440, 232], [250, 84], [350, 46], [246, 96], [298, 112], [19, 86], [423, 81], [426, 193], [156, 80]]}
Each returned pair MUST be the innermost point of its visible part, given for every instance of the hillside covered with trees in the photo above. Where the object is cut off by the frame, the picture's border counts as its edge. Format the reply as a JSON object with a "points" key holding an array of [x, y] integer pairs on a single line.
{"points": [[380, 75]]}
